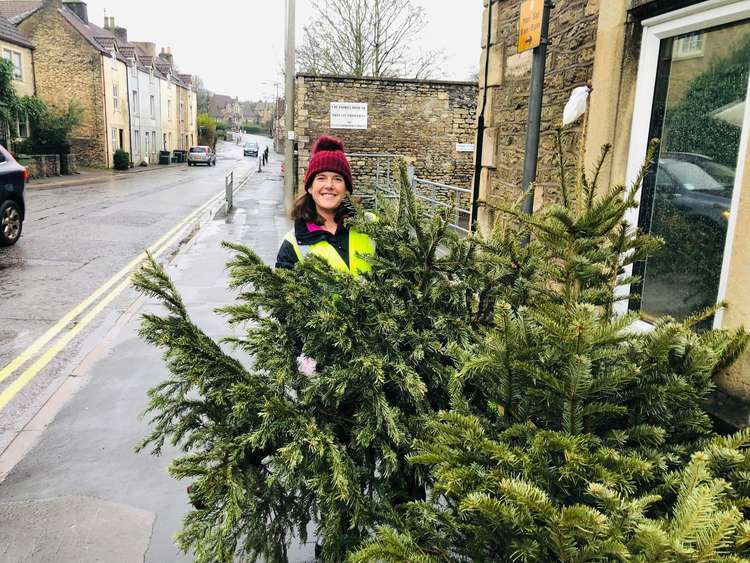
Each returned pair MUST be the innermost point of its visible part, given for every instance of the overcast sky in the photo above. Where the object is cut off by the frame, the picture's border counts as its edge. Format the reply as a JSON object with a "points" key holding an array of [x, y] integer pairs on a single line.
{"points": [[235, 46]]}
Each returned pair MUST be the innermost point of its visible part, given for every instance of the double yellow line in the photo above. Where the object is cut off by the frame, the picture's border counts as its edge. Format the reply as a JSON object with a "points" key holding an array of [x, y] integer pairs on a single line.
{"points": [[101, 297]]}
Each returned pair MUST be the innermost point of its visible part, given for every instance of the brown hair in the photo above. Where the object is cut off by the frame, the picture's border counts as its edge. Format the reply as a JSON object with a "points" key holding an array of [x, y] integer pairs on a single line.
{"points": [[304, 208]]}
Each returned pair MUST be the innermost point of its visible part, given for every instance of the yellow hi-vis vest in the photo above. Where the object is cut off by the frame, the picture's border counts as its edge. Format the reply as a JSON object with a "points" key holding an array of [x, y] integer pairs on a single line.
{"points": [[359, 245]]}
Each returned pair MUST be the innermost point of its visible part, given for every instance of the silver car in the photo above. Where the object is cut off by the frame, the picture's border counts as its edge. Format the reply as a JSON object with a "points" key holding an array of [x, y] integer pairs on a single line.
{"points": [[201, 155]]}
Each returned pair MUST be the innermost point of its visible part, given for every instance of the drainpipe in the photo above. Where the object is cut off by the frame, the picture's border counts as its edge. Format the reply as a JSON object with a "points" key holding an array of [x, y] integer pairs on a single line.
{"points": [[480, 125], [127, 95]]}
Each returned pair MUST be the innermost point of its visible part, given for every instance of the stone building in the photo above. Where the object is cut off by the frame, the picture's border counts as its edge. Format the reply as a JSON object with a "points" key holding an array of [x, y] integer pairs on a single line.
{"points": [[16, 48], [77, 61], [673, 69], [423, 121], [226, 109]]}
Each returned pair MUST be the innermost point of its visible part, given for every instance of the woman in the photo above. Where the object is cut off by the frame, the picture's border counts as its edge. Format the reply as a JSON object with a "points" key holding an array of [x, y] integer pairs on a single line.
{"points": [[319, 215]]}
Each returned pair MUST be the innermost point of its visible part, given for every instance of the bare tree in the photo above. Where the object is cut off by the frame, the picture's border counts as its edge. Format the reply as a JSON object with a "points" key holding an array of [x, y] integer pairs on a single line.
{"points": [[203, 96], [366, 38]]}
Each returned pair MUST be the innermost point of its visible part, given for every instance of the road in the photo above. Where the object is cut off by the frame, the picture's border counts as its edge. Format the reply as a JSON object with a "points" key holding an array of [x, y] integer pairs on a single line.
{"points": [[75, 239]]}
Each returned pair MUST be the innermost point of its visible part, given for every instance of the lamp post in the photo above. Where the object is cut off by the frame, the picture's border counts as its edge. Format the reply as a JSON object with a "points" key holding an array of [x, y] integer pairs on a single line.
{"points": [[290, 180]]}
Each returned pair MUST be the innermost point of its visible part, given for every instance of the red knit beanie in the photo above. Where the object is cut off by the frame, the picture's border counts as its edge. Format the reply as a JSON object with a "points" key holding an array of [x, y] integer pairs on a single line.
{"points": [[328, 156]]}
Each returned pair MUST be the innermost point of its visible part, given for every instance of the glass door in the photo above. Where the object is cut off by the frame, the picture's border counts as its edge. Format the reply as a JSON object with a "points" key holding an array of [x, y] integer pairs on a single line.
{"points": [[698, 110]]}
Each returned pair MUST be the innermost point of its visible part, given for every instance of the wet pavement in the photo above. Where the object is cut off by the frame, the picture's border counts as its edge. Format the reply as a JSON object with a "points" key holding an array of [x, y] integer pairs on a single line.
{"points": [[80, 493], [75, 238]]}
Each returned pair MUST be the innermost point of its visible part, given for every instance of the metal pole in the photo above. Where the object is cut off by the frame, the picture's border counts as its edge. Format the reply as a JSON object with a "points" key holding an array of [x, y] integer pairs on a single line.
{"points": [[290, 181], [536, 92]]}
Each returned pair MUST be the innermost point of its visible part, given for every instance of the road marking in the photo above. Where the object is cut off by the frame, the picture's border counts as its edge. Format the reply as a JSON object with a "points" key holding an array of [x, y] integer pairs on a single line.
{"points": [[155, 249]]}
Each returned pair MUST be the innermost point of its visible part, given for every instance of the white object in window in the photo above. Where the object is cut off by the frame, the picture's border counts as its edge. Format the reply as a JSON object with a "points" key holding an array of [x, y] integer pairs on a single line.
{"points": [[116, 97], [115, 138], [152, 106]]}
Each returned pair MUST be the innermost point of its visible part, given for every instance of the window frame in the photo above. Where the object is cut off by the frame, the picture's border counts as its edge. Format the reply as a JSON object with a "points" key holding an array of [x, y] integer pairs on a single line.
{"points": [[11, 53], [116, 96], [697, 17]]}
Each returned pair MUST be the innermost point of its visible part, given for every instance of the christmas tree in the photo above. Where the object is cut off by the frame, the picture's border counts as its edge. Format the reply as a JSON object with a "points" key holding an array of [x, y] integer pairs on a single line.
{"points": [[589, 442]]}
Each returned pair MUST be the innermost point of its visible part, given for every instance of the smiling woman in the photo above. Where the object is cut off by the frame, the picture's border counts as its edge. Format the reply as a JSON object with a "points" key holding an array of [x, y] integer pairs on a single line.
{"points": [[320, 212]]}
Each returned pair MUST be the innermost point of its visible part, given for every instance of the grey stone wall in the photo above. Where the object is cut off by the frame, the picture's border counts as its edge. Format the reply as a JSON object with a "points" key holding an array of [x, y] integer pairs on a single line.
{"points": [[418, 120]]}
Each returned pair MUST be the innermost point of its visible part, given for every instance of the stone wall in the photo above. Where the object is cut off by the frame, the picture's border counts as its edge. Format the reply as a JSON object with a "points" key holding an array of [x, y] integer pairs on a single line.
{"points": [[40, 165], [68, 69], [570, 60], [419, 120]]}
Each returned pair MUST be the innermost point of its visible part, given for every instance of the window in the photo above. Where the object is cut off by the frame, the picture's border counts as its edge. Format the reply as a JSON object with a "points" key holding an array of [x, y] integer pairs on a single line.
{"points": [[690, 198], [169, 109], [688, 46], [137, 142], [191, 114], [22, 126], [152, 106], [170, 142], [115, 139], [135, 102], [182, 111], [166, 147], [15, 58], [116, 97], [133, 71]]}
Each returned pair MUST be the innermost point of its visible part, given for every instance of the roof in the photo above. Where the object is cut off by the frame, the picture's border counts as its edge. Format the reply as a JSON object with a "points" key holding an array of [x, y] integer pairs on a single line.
{"points": [[18, 10], [9, 33]]}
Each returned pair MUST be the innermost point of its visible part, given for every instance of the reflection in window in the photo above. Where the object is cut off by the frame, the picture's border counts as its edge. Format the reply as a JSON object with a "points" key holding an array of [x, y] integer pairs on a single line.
{"points": [[686, 200]]}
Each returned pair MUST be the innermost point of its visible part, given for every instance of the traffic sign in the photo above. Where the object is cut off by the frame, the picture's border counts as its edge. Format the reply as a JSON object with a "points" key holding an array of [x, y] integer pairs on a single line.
{"points": [[530, 25]]}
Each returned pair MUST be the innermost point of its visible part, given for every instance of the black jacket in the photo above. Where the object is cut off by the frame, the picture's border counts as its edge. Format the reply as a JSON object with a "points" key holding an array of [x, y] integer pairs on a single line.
{"points": [[287, 257]]}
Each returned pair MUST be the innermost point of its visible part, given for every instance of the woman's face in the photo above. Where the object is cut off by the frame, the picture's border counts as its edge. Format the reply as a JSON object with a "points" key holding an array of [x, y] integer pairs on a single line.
{"points": [[328, 190]]}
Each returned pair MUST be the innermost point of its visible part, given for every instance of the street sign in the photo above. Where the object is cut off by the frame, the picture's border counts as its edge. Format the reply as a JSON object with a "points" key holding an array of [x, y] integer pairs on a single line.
{"points": [[465, 147], [530, 25], [348, 115]]}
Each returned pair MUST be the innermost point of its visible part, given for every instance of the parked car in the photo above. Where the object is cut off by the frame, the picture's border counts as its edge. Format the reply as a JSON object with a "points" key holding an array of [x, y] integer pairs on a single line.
{"points": [[251, 149], [13, 178], [698, 185], [201, 155]]}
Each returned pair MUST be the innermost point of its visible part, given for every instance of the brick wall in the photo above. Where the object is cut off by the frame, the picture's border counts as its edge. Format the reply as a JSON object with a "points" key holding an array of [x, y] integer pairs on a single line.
{"points": [[419, 120], [68, 69], [570, 59]]}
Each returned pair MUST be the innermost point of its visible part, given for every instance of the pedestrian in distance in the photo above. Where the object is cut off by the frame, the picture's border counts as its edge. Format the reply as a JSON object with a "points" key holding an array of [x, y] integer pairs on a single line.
{"points": [[319, 215]]}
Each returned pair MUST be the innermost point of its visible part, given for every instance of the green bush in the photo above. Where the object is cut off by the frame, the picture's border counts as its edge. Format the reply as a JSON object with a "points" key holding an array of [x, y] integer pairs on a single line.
{"points": [[122, 160]]}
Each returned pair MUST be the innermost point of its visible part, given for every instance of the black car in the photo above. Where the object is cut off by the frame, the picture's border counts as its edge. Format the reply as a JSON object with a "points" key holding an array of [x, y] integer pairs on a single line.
{"points": [[13, 178], [697, 185], [251, 149]]}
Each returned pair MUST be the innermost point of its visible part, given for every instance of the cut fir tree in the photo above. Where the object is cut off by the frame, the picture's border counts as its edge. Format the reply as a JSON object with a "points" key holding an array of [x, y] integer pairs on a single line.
{"points": [[274, 446]]}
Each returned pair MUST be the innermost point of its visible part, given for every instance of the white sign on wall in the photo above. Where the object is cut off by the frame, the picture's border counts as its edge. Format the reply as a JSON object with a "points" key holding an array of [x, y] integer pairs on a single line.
{"points": [[348, 115], [465, 147]]}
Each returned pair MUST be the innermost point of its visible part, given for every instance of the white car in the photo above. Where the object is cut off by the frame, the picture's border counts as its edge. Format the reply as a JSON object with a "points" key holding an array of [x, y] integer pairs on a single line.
{"points": [[201, 155]]}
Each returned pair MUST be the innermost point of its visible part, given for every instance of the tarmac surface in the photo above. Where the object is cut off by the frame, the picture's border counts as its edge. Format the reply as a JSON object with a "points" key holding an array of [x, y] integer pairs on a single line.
{"points": [[81, 494]]}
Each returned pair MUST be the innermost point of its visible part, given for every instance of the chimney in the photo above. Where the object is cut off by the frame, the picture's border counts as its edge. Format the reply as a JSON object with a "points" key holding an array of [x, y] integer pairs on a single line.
{"points": [[147, 47], [121, 33], [167, 55], [109, 23], [79, 9]]}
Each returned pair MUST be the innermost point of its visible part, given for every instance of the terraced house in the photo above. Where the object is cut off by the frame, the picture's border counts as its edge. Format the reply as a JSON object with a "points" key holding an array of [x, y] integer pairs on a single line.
{"points": [[20, 52], [131, 99]]}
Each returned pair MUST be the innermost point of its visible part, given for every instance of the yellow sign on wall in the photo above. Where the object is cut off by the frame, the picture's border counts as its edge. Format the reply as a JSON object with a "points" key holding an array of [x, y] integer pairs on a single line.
{"points": [[530, 25]]}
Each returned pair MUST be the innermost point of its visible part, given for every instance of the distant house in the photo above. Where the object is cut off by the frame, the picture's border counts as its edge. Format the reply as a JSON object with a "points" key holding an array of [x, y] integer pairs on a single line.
{"points": [[226, 109], [16, 48]]}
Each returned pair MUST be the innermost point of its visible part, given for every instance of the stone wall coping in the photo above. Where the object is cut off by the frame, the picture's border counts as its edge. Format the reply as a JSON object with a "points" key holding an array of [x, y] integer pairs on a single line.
{"points": [[389, 79]]}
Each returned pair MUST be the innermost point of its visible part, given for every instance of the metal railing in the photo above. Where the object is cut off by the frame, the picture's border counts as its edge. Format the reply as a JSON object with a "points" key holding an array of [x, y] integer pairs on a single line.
{"points": [[374, 178]]}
